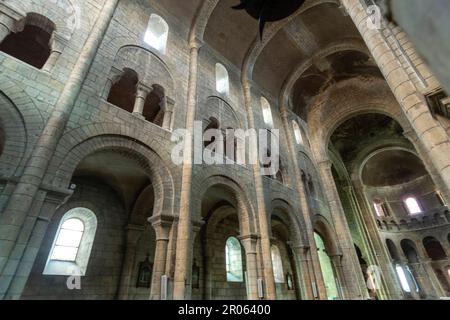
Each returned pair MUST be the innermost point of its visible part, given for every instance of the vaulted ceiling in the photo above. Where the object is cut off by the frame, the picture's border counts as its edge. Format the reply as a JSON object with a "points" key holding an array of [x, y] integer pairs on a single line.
{"points": [[312, 37]]}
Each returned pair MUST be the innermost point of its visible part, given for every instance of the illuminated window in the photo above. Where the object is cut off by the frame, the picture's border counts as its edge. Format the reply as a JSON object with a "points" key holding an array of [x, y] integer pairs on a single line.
{"points": [[267, 111], [402, 277], [233, 259], [222, 79], [277, 265], [73, 242], [68, 240], [297, 133], [157, 33], [413, 206], [380, 209]]}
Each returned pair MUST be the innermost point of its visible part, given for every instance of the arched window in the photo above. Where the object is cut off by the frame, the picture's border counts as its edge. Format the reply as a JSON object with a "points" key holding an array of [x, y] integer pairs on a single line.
{"points": [[68, 240], [157, 33], [222, 79], [412, 205], [233, 258], [153, 111], [379, 208], [266, 111], [402, 277], [123, 91], [72, 245], [277, 264], [327, 268], [298, 133], [32, 43]]}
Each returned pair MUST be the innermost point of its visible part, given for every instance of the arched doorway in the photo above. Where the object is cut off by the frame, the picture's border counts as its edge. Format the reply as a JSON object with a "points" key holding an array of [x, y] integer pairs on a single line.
{"points": [[439, 259], [328, 271], [120, 264], [219, 266], [287, 281]]}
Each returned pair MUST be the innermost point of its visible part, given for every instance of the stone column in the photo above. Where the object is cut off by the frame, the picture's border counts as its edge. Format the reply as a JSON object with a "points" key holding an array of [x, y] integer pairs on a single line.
{"points": [[13, 243], [433, 137], [141, 96], [336, 261], [301, 255], [304, 206], [261, 210], [375, 246], [57, 44], [354, 280], [134, 233], [162, 226], [167, 105], [185, 239], [249, 243], [437, 179]]}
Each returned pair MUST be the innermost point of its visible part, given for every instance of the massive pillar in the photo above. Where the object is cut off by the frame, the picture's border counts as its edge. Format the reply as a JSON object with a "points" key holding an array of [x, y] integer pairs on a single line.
{"points": [[185, 239], [16, 224], [249, 243], [353, 280], [133, 235], [310, 254], [434, 138], [162, 226], [262, 215]]}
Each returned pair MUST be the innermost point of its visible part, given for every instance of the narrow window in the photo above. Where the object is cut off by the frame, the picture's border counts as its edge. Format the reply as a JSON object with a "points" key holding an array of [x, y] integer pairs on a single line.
{"points": [[222, 79], [266, 111], [123, 91], [68, 240], [402, 277], [298, 133], [157, 33], [379, 208], [277, 265], [233, 260], [413, 206], [71, 249]]}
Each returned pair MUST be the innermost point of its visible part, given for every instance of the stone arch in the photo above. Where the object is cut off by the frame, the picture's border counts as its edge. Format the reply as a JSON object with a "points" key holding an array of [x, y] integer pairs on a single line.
{"points": [[366, 96], [349, 45], [65, 14], [283, 210], [16, 112], [328, 234], [13, 137], [410, 250], [244, 207], [221, 110], [392, 249], [149, 161], [149, 67], [434, 249]]}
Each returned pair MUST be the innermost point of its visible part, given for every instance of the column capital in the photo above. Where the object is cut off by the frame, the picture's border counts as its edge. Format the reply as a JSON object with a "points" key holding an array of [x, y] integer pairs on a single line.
{"points": [[249, 242], [161, 224], [143, 90]]}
